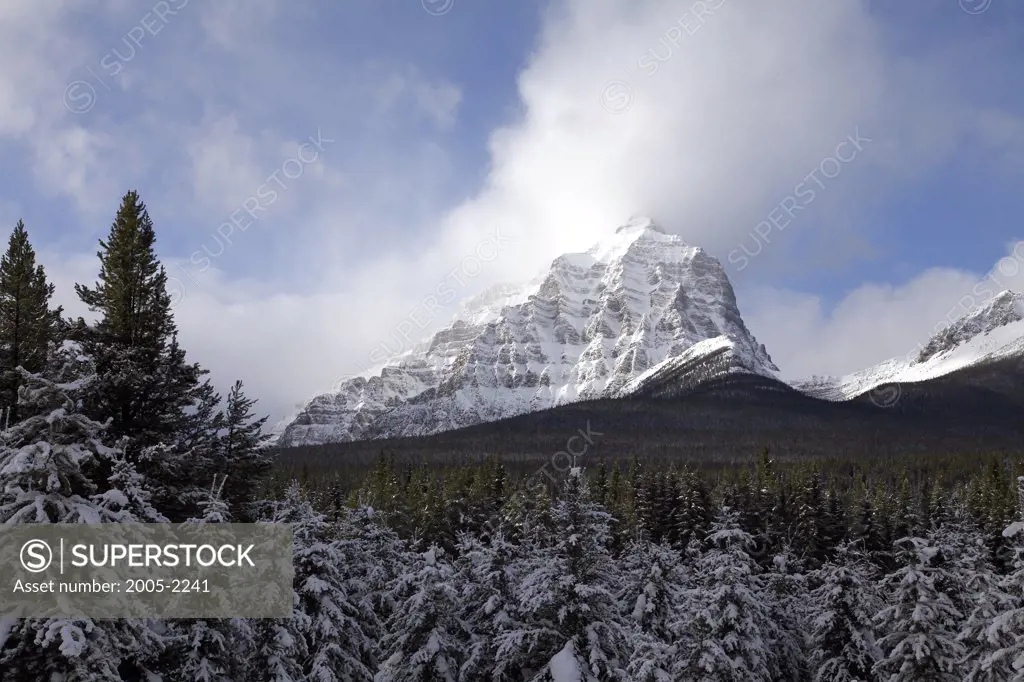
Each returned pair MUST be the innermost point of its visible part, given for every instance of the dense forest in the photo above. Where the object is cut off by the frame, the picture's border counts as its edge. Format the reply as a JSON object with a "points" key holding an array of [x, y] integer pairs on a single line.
{"points": [[828, 570], [618, 568]]}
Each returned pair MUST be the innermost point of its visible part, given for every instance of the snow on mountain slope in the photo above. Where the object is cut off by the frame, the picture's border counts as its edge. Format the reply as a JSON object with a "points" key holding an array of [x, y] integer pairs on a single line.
{"points": [[990, 333], [590, 325], [721, 347]]}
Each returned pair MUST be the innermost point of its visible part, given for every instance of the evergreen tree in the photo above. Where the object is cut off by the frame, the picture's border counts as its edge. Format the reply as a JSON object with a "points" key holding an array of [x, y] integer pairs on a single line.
{"points": [[695, 513], [983, 601], [328, 571], [383, 489], [426, 639], [906, 521], [487, 583], [203, 432], [646, 525], [731, 633], [867, 534], [215, 649], [69, 650], [28, 326], [1006, 631], [920, 622], [127, 500], [601, 483], [782, 518], [615, 503], [210, 651], [243, 457], [787, 592], [834, 528], [387, 558], [654, 582], [566, 598], [144, 383], [843, 646], [811, 518], [48, 464], [47, 461], [669, 508], [280, 644], [279, 649]]}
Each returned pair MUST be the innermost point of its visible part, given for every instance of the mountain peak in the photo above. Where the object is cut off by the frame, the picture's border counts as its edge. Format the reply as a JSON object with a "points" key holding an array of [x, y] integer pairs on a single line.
{"points": [[645, 233], [638, 224], [1007, 300], [584, 329], [1004, 308]]}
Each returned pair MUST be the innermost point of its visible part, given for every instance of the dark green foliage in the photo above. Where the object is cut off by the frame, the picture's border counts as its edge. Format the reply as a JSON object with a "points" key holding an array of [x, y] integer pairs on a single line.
{"points": [[785, 506], [240, 454], [144, 383], [28, 326]]}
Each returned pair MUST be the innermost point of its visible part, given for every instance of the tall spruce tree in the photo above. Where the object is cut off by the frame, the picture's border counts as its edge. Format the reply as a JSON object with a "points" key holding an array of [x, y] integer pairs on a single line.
{"points": [[426, 639], [486, 580], [842, 629], [569, 615], [144, 385], [211, 649], [729, 630], [1006, 631], [338, 620], [920, 622], [47, 460], [28, 326], [654, 582], [244, 459], [983, 601]]}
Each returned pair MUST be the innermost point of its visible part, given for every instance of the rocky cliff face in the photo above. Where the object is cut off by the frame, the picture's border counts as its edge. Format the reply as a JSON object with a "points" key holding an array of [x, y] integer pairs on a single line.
{"points": [[594, 323], [1004, 309]]}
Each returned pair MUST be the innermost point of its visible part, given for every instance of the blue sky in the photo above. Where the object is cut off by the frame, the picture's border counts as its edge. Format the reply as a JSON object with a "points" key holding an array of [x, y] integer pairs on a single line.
{"points": [[437, 122]]}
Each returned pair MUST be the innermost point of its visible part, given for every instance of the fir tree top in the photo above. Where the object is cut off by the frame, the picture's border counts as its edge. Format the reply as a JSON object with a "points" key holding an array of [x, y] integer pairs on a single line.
{"points": [[28, 326], [131, 293]]}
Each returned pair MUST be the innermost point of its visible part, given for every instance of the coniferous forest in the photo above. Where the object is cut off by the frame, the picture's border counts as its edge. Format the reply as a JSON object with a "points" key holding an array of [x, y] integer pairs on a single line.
{"points": [[892, 570]]}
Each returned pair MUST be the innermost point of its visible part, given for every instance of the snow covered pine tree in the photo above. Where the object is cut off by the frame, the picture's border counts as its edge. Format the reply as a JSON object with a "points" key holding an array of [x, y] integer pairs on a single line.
{"points": [[49, 468]]}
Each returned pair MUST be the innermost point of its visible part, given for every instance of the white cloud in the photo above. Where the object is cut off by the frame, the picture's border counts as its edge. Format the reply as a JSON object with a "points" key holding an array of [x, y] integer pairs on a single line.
{"points": [[713, 137], [439, 102], [235, 24], [76, 162], [225, 168], [43, 93]]}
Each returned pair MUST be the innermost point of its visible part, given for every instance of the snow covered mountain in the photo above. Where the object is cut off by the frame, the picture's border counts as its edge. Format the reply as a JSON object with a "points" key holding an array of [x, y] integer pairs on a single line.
{"points": [[988, 334], [597, 324]]}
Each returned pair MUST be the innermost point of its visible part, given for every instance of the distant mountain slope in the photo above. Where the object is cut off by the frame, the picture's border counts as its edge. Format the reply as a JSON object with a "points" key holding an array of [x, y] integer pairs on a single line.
{"points": [[985, 336]]}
